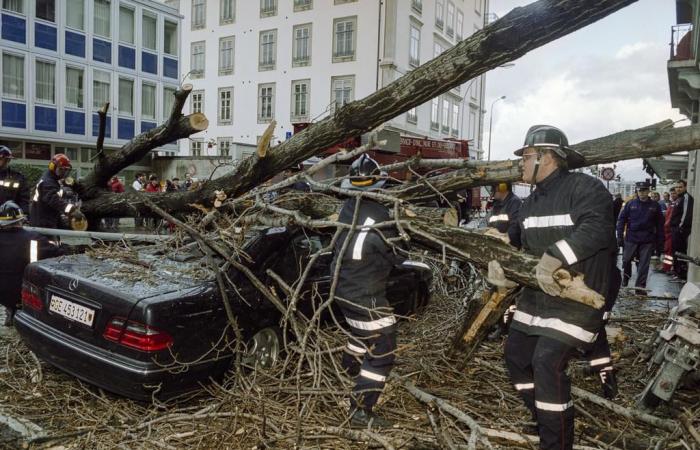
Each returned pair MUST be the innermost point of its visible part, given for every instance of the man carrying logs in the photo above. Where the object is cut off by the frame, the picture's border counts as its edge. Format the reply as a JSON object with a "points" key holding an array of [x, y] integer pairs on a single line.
{"points": [[565, 224], [363, 261]]}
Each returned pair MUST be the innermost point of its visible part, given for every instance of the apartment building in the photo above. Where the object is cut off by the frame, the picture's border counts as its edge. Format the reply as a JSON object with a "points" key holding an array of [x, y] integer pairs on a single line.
{"points": [[62, 60], [296, 61]]}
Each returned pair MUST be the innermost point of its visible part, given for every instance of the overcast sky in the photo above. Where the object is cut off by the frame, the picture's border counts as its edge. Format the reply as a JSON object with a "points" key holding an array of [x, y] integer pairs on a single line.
{"points": [[604, 78]]}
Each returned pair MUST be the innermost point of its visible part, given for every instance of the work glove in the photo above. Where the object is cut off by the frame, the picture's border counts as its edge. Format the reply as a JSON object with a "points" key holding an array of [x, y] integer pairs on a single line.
{"points": [[78, 221], [77, 215], [497, 277], [544, 272]]}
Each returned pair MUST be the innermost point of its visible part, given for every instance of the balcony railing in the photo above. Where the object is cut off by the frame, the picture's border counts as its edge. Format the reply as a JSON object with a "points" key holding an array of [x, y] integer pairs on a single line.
{"points": [[682, 42]]}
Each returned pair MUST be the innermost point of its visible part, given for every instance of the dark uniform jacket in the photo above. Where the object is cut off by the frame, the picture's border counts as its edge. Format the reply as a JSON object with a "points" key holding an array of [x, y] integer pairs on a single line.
{"points": [[48, 202], [368, 259], [645, 223], [24, 247], [682, 215], [504, 217], [569, 216], [13, 186]]}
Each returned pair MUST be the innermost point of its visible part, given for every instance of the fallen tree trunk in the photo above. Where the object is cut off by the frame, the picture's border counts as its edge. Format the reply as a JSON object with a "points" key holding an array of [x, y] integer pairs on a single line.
{"points": [[518, 32]]}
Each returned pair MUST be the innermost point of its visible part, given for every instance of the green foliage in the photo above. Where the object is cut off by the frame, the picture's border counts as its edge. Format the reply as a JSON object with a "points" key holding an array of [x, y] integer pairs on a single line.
{"points": [[31, 173]]}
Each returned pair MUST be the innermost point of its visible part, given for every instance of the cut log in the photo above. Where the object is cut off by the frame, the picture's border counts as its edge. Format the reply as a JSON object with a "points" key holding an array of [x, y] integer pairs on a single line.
{"points": [[264, 144]]}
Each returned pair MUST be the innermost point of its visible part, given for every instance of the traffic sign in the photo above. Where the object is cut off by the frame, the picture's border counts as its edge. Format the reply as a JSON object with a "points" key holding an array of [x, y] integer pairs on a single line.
{"points": [[608, 173]]}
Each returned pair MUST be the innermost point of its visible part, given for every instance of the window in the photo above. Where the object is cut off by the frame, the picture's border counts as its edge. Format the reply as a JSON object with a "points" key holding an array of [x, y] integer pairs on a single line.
{"points": [[75, 82], [197, 60], [412, 115], [101, 83], [437, 49], [268, 50], [75, 14], [300, 99], [266, 102], [477, 6], [301, 53], [227, 11], [226, 54], [435, 114], [148, 27], [439, 13], [102, 18], [225, 105], [342, 91], [414, 46], [450, 19], [445, 116], [13, 76], [148, 101], [45, 73], [46, 9], [168, 100], [225, 146], [170, 38], [13, 5], [199, 14], [459, 27], [196, 146], [455, 119], [126, 25], [417, 5], [197, 101], [302, 5], [268, 8], [340, 2], [126, 96], [344, 39]]}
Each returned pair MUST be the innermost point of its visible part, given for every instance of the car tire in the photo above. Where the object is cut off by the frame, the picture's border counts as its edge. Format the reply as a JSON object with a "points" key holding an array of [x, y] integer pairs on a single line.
{"points": [[264, 348]]}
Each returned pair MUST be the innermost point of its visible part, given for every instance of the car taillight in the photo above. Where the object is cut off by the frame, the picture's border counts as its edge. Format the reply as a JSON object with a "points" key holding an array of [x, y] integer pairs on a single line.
{"points": [[30, 297], [136, 335]]}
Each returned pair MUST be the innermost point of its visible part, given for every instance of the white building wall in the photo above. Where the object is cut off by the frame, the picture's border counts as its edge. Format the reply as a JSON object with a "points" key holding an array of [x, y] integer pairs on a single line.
{"points": [[246, 75]]}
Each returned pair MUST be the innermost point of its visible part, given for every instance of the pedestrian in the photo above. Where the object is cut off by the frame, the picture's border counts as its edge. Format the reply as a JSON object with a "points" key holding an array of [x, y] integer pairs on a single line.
{"points": [[364, 264], [153, 186], [139, 185], [116, 186], [664, 201], [13, 185], [176, 184], [25, 247], [48, 202], [187, 185], [170, 186], [566, 225], [504, 213], [668, 233], [617, 206], [681, 223], [644, 225]]}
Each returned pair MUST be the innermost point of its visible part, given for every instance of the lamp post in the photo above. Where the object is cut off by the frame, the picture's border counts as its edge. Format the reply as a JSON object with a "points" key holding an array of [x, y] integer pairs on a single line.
{"points": [[491, 123]]}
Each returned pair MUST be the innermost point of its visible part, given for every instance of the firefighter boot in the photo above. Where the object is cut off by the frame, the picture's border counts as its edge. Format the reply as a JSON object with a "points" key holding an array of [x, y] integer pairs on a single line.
{"points": [[608, 382], [368, 420]]}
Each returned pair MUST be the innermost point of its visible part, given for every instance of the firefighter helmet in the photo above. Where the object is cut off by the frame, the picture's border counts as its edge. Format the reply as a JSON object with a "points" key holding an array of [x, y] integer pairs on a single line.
{"points": [[5, 152], [553, 139], [364, 174], [10, 213], [60, 165]]}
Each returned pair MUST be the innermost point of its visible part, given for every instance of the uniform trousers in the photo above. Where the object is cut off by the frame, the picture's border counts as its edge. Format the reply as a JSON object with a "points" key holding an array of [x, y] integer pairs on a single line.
{"points": [[369, 354], [537, 367], [643, 251]]}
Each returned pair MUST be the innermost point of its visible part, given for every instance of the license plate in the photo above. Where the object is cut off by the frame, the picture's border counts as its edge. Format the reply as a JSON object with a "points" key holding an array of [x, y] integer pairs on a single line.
{"points": [[71, 311]]}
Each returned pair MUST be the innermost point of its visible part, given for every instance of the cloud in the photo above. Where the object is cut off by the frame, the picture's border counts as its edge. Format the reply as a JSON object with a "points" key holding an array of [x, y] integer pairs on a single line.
{"points": [[631, 50]]}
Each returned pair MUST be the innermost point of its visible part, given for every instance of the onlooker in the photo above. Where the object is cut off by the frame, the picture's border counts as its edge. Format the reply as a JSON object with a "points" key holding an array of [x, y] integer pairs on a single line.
{"points": [[153, 184], [139, 185], [188, 181], [617, 205], [681, 223], [176, 184], [668, 240], [170, 186], [116, 186]]}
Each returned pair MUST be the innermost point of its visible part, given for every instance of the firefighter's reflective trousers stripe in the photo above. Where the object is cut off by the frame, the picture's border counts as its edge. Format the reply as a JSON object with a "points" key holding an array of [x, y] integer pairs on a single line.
{"points": [[369, 354], [599, 357], [537, 367]]}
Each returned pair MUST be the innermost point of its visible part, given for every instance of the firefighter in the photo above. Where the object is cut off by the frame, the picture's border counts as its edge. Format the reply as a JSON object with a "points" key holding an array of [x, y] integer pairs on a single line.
{"points": [[644, 222], [48, 202], [505, 212], [25, 247], [13, 185], [565, 224], [364, 264]]}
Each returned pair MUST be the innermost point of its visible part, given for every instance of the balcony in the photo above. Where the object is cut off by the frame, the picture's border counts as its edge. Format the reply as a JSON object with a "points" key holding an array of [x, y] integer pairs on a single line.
{"points": [[681, 42], [683, 73]]}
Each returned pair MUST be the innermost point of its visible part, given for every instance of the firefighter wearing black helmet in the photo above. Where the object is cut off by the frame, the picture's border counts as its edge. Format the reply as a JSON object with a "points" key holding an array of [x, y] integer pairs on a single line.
{"points": [[49, 200], [25, 247], [13, 185], [363, 260], [565, 223], [504, 213]]}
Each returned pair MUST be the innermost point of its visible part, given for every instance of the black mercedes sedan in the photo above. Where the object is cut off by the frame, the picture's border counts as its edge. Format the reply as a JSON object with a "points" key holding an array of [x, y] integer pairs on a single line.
{"points": [[155, 323]]}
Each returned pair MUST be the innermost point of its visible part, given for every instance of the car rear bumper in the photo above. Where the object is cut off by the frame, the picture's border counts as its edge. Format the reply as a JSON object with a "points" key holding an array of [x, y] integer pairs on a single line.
{"points": [[115, 373]]}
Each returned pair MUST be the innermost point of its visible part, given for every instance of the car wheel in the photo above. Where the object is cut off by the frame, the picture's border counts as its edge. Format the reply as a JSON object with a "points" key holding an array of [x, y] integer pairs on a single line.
{"points": [[264, 348]]}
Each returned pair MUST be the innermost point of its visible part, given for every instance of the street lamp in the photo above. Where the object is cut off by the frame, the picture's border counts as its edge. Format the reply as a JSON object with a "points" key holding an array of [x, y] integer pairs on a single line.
{"points": [[491, 123]]}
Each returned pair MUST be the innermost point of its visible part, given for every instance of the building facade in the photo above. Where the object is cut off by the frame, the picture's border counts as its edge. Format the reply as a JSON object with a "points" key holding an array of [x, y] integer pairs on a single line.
{"points": [[61, 61], [684, 84], [296, 61]]}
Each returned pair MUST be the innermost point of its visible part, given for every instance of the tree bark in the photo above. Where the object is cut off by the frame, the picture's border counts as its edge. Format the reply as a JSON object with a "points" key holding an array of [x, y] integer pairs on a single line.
{"points": [[518, 32]]}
